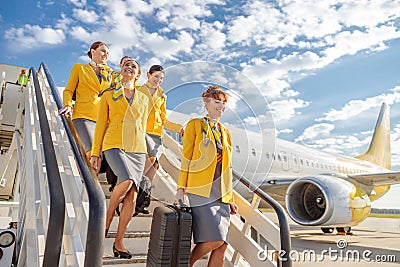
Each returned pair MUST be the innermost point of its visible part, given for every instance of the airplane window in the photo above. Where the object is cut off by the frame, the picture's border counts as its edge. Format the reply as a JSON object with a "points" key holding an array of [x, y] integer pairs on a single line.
{"points": [[317, 165], [295, 160], [279, 157], [253, 151], [237, 149], [307, 163], [285, 158], [273, 156], [301, 161], [267, 154], [312, 164]]}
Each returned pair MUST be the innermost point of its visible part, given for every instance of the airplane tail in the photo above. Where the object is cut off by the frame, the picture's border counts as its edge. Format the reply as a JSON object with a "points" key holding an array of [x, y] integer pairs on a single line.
{"points": [[379, 149]]}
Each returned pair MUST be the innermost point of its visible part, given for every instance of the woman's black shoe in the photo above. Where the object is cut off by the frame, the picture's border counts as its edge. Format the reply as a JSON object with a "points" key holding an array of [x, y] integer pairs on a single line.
{"points": [[106, 233], [121, 254]]}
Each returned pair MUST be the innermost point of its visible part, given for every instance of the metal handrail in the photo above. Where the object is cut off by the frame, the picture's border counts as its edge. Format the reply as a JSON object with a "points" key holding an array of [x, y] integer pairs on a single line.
{"points": [[284, 230], [97, 203], [55, 228]]}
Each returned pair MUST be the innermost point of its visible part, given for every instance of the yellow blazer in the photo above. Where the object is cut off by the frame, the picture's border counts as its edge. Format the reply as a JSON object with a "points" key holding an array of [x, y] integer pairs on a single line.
{"points": [[158, 112], [120, 125], [199, 160], [84, 81]]}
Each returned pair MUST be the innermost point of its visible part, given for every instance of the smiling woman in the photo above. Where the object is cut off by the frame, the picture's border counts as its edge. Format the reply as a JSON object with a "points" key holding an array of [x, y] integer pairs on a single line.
{"points": [[83, 87], [206, 177], [120, 134]]}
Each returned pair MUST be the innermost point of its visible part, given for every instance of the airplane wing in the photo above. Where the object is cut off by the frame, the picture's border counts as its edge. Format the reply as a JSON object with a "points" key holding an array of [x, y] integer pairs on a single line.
{"points": [[377, 179]]}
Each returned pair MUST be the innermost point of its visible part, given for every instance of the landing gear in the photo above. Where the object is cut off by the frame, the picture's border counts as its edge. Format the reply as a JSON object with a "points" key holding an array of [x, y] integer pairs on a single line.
{"points": [[344, 230], [327, 230]]}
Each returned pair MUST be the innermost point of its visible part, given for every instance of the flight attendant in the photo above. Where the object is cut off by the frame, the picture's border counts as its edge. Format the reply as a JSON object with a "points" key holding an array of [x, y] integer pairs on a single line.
{"points": [[157, 117], [84, 85], [206, 177], [120, 133]]}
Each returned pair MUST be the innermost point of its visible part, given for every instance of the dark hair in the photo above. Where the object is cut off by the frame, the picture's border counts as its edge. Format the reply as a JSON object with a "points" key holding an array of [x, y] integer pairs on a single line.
{"points": [[155, 68], [122, 59], [215, 92], [94, 46]]}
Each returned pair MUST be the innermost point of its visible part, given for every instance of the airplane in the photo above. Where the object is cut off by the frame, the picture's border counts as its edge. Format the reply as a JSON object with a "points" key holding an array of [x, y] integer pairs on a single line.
{"points": [[317, 188]]}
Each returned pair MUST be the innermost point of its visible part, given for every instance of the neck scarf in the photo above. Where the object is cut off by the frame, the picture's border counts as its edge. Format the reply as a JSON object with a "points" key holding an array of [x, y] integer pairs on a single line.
{"points": [[105, 72], [213, 126], [118, 86]]}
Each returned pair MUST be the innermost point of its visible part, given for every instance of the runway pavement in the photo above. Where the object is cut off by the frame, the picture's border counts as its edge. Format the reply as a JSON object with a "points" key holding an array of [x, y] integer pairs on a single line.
{"points": [[375, 242]]}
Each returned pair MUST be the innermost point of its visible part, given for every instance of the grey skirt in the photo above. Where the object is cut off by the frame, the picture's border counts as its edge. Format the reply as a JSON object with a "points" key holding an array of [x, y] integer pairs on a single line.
{"points": [[211, 217], [85, 130], [153, 143], [126, 165]]}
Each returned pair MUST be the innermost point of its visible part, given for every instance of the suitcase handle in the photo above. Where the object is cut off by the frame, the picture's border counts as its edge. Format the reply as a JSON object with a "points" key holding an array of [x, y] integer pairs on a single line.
{"points": [[180, 207]]}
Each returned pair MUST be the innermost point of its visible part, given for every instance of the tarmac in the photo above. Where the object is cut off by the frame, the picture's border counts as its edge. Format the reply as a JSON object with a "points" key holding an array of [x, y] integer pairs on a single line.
{"points": [[374, 242]]}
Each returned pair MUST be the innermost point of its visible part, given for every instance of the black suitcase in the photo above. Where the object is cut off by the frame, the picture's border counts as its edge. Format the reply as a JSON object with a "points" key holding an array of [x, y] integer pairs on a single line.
{"points": [[170, 237]]}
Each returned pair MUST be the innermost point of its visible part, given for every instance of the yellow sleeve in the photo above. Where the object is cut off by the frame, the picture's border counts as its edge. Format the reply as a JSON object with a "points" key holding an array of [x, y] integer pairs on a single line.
{"points": [[101, 126], [169, 125], [71, 86], [187, 153], [172, 126]]}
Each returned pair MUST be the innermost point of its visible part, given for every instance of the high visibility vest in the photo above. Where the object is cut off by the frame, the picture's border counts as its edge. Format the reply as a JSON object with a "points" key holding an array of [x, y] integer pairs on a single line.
{"points": [[22, 79]]}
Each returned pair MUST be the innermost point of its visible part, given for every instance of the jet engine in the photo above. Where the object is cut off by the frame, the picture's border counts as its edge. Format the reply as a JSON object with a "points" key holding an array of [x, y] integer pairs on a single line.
{"points": [[325, 200]]}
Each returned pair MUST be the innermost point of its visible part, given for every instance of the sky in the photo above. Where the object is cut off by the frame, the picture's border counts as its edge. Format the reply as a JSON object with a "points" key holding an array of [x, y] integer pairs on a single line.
{"points": [[321, 69]]}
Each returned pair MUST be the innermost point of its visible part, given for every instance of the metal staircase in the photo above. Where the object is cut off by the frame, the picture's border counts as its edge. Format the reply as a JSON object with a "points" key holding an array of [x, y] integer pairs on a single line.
{"points": [[62, 203]]}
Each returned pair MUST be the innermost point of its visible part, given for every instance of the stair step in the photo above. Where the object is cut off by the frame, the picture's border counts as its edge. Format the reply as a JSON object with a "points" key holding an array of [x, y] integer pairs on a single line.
{"points": [[136, 258], [140, 223], [111, 234], [138, 245]]}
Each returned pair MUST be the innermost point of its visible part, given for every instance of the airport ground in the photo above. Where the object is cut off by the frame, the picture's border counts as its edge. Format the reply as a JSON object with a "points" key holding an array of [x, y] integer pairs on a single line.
{"points": [[374, 242]]}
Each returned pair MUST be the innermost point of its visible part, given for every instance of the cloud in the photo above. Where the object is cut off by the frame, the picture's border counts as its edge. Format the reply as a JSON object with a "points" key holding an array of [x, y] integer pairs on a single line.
{"points": [[285, 131], [355, 107], [87, 16], [78, 3], [286, 109], [168, 48], [314, 131], [395, 144], [35, 36]]}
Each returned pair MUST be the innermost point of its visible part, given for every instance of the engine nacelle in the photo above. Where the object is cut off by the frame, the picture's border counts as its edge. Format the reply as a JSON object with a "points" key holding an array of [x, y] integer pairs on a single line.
{"points": [[325, 200]]}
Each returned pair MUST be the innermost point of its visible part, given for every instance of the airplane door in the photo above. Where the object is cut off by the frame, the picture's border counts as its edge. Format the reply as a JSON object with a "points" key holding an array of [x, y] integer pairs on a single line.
{"points": [[285, 161], [295, 161]]}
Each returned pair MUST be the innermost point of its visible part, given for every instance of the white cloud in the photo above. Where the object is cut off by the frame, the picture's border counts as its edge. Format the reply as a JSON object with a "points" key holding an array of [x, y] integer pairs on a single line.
{"points": [[212, 36], [35, 36], [64, 23], [395, 145], [314, 131], [285, 131], [80, 33], [168, 48], [355, 107], [86, 16], [78, 3], [286, 109]]}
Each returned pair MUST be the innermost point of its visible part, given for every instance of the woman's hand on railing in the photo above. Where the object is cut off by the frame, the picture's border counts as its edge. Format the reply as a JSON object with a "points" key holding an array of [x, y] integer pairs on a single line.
{"points": [[180, 193], [96, 163], [233, 208], [66, 111], [181, 132]]}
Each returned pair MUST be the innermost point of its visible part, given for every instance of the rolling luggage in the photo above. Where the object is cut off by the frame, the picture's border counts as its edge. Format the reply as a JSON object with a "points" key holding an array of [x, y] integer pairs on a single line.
{"points": [[170, 237]]}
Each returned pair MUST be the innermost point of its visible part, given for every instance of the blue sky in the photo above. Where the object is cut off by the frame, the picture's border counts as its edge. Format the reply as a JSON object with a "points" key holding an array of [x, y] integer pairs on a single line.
{"points": [[324, 67]]}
